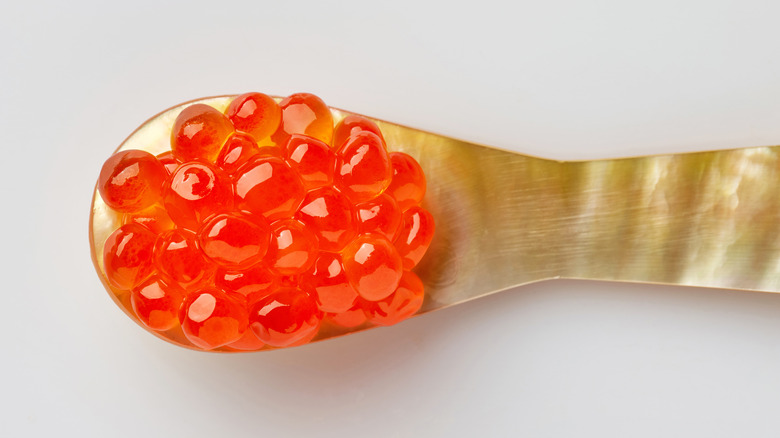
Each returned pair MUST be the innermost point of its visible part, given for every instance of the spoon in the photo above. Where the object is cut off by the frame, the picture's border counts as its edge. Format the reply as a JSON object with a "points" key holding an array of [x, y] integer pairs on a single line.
{"points": [[707, 219]]}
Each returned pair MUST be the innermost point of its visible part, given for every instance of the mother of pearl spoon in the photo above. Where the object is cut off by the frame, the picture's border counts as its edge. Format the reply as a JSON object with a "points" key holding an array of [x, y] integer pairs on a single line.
{"points": [[503, 219]]}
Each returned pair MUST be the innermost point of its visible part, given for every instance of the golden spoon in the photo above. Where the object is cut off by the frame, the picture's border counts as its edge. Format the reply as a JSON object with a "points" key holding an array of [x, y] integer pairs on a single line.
{"points": [[708, 219]]}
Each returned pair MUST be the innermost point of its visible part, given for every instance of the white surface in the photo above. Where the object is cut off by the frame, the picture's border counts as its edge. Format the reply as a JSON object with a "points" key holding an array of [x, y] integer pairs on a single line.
{"points": [[561, 79]]}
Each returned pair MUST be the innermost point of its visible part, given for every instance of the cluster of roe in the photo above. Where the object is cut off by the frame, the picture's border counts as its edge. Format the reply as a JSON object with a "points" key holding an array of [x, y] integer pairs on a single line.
{"points": [[265, 222]]}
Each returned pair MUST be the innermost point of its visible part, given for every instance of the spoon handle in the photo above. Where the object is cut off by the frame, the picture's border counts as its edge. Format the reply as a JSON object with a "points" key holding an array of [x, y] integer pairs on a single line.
{"points": [[709, 219]]}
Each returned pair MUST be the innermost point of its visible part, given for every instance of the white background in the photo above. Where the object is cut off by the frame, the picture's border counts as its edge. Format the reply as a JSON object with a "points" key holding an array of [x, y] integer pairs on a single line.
{"points": [[560, 79]]}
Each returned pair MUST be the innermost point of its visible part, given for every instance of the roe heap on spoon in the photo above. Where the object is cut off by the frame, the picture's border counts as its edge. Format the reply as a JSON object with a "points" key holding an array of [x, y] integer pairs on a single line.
{"points": [[263, 225]]}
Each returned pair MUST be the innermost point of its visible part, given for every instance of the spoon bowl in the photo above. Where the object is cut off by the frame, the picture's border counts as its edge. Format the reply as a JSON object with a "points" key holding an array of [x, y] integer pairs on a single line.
{"points": [[708, 219]]}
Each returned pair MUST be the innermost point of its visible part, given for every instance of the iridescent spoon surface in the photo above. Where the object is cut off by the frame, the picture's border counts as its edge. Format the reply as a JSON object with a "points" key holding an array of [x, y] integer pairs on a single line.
{"points": [[708, 219]]}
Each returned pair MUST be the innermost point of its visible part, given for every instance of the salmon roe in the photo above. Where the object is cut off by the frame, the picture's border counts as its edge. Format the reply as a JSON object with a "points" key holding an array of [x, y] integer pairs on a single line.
{"points": [[256, 114], [157, 304], [199, 133], [355, 316], [293, 248], [363, 168], [154, 218], [168, 161], [312, 159], [127, 256], [379, 215], [415, 236], [237, 150], [350, 126], [235, 241], [211, 319], [328, 283], [408, 184], [373, 266], [194, 192], [263, 224], [331, 217], [131, 180], [404, 302], [285, 317], [267, 186], [179, 259], [304, 113], [249, 284]]}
